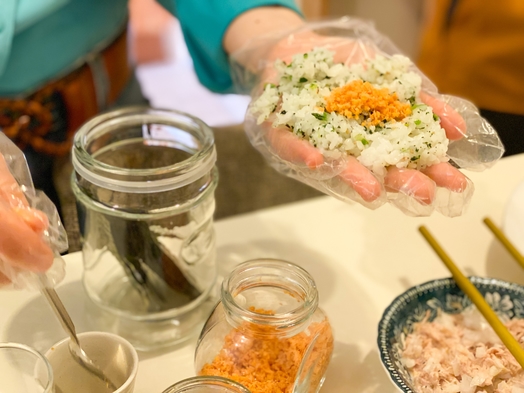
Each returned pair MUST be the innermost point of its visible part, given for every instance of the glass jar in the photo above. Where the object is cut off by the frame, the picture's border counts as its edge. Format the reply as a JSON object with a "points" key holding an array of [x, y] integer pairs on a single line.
{"points": [[144, 181], [267, 332], [206, 385], [24, 369]]}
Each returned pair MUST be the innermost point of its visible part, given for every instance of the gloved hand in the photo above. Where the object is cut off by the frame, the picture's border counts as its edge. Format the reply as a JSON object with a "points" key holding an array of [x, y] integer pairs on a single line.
{"points": [[31, 234], [22, 243], [417, 191]]}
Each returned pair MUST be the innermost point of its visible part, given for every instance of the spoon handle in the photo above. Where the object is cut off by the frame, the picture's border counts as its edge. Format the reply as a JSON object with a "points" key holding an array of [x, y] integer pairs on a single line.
{"points": [[67, 323], [59, 309]]}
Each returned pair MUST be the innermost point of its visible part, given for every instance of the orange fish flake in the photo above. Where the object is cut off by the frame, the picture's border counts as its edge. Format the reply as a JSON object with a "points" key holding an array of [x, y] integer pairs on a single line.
{"points": [[266, 363], [359, 98]]}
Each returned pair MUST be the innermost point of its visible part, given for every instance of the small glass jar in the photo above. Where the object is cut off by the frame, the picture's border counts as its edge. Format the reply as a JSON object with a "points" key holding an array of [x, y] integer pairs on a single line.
{"points": [[144, 181], [267, 332], [24, 369], [206, 385]]}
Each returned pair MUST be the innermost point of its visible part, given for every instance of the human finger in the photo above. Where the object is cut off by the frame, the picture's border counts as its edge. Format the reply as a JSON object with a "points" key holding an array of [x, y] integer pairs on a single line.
{"points": [[36, 219], [3, 279], [446, 175], [10, 191], [411, 182], [291, 148], [450, 120], [361, 180], [12, 194], [20, 245]]}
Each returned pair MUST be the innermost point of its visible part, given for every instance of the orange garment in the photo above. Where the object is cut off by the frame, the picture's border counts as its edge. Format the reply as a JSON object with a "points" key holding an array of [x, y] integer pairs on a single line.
{"points": [[479, 54]]}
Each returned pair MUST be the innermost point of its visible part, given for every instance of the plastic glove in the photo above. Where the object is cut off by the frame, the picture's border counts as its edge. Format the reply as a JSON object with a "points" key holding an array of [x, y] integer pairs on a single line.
{"points": [[473, 142], [29, 241]]}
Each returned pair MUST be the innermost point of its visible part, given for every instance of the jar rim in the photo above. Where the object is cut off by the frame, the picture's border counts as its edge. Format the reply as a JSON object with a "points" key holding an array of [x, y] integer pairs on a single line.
{"points": [[203, 381], [102, 174], [232, 287], [37, 355]]}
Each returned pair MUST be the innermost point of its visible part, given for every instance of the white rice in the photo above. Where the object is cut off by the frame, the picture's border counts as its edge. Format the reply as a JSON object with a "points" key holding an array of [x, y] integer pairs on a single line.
{"points": [[417, 141]]}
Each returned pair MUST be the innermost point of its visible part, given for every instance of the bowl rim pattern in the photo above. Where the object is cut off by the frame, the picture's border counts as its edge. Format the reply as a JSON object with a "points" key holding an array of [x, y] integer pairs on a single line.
{"points": [[484, 284]]}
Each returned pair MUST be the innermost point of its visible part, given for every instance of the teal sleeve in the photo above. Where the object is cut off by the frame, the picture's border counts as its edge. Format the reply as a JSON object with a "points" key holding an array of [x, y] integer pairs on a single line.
{"points": [[204, 23], [7, 29], [29, 12]]}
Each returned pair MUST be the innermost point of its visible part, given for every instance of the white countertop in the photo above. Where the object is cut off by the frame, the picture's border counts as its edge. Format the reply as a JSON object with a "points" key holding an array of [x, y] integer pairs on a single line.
{"points": [[360, 259]]}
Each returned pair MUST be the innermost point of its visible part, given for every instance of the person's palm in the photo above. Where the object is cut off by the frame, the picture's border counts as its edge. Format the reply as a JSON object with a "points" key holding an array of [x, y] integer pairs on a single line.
{"points": [[421, 185]]}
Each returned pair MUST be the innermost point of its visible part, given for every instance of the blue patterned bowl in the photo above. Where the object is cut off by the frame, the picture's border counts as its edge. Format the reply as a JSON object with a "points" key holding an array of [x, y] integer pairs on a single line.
{"points": [[410, 307]]}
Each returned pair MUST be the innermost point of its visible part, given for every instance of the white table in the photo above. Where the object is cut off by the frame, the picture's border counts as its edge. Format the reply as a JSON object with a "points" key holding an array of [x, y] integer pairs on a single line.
{"points": [[360, 259]]}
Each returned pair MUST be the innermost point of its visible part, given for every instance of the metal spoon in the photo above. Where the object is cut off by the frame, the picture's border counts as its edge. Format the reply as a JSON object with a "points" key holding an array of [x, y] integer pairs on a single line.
{"points": [[74, 345]]}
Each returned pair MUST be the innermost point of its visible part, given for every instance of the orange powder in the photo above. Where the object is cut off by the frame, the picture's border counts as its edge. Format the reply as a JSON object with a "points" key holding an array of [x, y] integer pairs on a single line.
{"points": [[359, 98], [266, 363]]}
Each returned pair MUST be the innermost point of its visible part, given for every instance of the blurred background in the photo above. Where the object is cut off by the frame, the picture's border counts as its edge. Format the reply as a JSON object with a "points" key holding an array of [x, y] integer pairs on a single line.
{"points": [[165, 69]]}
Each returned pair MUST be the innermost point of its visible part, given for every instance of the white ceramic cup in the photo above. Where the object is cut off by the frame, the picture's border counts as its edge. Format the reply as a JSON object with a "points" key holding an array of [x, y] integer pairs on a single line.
{"points": [[114, 355]]}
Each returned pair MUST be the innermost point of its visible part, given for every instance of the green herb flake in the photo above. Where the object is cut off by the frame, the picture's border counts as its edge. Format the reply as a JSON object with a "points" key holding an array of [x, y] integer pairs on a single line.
{"points": [[435, 117], [364, 141], [417, 122], [415, 158], [302, 80], [283, 112], [305, 55], [320, 116]]}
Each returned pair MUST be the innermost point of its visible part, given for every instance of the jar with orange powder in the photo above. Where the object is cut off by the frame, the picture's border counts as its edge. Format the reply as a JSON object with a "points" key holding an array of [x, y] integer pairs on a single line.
{"points": [[267, 332], [206, 385]]}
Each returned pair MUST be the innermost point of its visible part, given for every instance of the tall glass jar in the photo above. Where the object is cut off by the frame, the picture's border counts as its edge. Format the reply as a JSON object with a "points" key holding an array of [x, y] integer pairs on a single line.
{"points": [[206, 385], [267, 332], [144, 181]]}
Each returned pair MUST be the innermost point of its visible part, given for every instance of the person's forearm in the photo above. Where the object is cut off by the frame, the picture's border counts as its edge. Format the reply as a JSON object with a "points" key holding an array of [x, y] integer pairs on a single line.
{"points": [[257, 22]]}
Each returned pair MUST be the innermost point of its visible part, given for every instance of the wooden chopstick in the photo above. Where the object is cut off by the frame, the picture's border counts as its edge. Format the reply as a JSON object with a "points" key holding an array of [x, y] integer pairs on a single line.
{"points": [[478, 300], [505, 241]]}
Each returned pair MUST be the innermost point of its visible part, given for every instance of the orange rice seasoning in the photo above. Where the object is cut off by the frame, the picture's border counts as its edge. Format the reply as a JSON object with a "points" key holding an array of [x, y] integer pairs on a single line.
{"points": [[268, 363], [359, 98]]}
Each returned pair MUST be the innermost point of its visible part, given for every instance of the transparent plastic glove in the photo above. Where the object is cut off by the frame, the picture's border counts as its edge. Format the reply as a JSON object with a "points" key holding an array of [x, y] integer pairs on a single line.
{"points": [[31, 235], [471, 142]]}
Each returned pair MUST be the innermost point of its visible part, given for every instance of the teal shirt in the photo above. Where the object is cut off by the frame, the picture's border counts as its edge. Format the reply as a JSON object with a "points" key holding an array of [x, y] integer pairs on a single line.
{"points": [[41, 40]]}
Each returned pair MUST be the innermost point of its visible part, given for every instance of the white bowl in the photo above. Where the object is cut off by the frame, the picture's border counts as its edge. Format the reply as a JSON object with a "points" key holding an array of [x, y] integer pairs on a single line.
{"points": [[114, 355]]}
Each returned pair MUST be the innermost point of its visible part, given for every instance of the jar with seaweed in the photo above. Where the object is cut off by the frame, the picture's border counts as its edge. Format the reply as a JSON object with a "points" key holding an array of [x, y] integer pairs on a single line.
{"points": [[144, 181], [267, 332], [206, 384]]}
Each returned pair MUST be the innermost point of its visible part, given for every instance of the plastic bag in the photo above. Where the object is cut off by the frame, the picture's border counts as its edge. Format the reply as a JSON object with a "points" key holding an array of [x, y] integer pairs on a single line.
{"points": [[28, 205], [319, 113]]}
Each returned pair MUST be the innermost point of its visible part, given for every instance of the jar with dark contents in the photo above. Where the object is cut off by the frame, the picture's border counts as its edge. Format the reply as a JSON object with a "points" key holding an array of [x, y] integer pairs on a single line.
{"points": [[144, 182], [267, 332], [206, 385]]}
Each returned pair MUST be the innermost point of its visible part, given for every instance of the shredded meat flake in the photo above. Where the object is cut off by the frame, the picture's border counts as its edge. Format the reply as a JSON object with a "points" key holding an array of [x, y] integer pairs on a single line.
{"points": [[460, 353], [361, 99], [264, 362]]}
